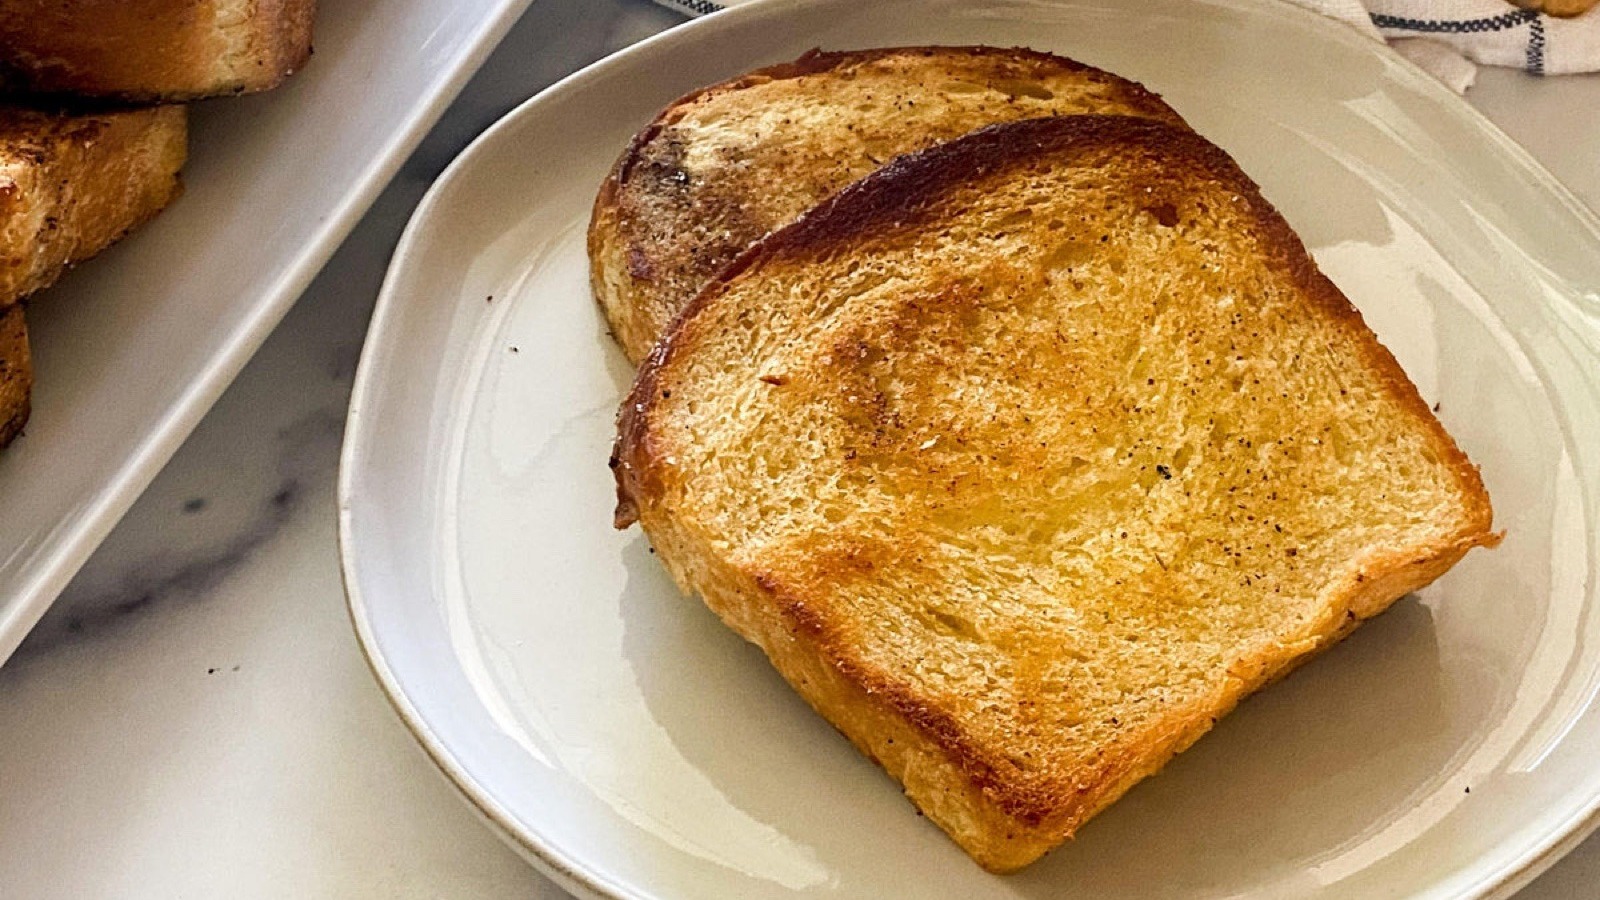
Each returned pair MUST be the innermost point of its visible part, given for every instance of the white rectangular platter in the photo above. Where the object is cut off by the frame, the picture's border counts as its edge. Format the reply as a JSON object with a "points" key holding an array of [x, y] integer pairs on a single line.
{"points": [[134, 347]]}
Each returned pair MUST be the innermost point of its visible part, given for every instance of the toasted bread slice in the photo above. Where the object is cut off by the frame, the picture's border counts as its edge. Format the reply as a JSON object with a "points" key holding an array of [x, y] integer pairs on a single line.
{"points": [[1027, 457], [152, 50], [16, 374], [723, 166], [70, 185]]}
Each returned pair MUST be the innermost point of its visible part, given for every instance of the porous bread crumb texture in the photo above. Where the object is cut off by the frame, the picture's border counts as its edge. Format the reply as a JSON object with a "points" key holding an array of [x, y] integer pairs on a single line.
{"points": [[152, 50], [723, 166], [1046, 446], [71, 185]]}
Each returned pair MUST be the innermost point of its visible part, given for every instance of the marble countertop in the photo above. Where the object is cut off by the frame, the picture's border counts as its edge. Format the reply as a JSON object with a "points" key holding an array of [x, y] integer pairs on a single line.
{"points": [[193, 718]]}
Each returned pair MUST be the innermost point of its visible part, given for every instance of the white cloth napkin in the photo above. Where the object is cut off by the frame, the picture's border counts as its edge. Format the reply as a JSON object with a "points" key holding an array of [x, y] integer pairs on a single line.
{"points": [[1444, 37]]}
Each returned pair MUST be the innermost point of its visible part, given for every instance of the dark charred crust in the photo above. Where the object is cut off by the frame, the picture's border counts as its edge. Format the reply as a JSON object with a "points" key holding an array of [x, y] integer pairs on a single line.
{"points": [[817, 60], [627, 511], [630, 157]]}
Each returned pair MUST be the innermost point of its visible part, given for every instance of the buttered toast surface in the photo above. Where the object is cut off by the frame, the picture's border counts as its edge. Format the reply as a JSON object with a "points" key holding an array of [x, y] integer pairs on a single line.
{"points": [[1028, 456], [723, 166]]}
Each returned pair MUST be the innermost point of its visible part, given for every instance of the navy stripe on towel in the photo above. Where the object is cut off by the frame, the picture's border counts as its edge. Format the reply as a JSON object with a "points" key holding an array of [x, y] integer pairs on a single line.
{"points": [[697, 7], [1536, 47], [1457, 26], [1528, 17]]}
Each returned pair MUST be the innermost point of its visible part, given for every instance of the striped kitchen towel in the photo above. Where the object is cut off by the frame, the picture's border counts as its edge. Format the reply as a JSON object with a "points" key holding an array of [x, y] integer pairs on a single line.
{"points": [[1445, 37]]}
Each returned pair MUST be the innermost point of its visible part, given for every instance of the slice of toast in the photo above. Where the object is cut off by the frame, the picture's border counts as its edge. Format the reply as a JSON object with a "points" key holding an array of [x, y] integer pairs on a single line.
{"points": [[724, 165], [16, 374], [152, 50], [1030, 455], [72, 184]]}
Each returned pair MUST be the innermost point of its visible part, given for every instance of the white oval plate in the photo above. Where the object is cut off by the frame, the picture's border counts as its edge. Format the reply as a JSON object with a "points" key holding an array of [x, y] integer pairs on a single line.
{"points": [[628, 743]]}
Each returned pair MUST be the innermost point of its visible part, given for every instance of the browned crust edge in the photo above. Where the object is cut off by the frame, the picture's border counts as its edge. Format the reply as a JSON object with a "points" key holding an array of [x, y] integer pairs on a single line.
{"points": [[278, 45], [124, 172], [285, 45], [602, 215], [16, 374], [898, 197], [817, 60]]}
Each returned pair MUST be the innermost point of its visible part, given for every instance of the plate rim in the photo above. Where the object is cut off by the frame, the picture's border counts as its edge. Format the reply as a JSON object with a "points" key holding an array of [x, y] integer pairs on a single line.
{"points": [[42, 585], [549, 859]]}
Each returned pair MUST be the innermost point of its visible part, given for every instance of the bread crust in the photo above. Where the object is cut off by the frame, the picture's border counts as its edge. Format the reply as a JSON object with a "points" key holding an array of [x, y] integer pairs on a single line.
{"points": [[1002, 817], [152, 50], [658, 232], [73, 184], [16, 374]]}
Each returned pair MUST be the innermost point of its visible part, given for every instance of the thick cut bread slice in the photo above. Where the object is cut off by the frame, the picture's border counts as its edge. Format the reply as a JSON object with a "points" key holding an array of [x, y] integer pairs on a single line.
{"points": [[16, 374], [152, 50], [723, 166], [70, 185], [1029, 456]]}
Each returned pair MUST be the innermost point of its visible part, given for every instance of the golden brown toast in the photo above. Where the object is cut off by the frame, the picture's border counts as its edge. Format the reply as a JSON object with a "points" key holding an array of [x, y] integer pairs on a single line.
{"points": [[1028, 456], [152, 50], [723, 166], [16, 374], [71, 185]]}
